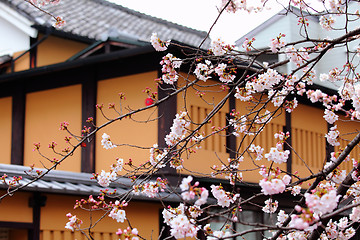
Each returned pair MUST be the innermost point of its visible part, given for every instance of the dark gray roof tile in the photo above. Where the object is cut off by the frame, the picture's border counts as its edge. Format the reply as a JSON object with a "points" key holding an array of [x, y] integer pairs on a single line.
{"points": [[70, 183], [93, 19]]}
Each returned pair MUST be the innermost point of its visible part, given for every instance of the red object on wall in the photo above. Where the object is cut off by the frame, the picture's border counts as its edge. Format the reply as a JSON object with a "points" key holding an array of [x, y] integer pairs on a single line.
{"points": [[148, 101]]}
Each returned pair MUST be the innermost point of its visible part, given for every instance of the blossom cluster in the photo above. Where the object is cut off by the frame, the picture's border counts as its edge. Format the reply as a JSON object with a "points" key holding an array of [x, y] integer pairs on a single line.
{"points": [[128, 233], [59, 22], [272, 183], [150, 189], [323, 199], [341, 229], [105, 178], [219, 47], [304, 220], [157, 157], [327, 22], [181, 222], [15, 180], [190, 191], [106, 142], [265, 81], [225, 75], [332, 136], [236, 5], [177, 130], [330, 116], [270, 206], [224, 199], [244, 93], [257, 150], [247, 44], [204, 70], [281, 218], [169, 64], [233, 6], [277, 43], [158, 44], [117, 211], [73, 223], [220, 234], [297, 56], [277, 154]]}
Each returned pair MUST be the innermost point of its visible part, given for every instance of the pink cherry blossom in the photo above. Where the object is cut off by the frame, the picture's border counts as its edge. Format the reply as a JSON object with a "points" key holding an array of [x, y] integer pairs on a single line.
{"points": [[106, 142], [277, 43], [223, 198], [203, 70], [330, 116], [158, 44]]}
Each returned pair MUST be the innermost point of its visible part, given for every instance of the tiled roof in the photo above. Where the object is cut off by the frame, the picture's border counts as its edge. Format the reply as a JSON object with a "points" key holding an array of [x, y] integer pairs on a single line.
{"points": [[71, 183], [99, 19]]}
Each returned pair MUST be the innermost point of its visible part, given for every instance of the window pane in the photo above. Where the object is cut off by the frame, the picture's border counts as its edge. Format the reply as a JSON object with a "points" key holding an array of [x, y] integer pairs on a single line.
{"points": [[247, 216], [269, 219]]}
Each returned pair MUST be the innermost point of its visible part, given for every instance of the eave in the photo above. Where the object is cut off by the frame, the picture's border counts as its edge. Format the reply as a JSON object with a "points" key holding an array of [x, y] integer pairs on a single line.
{"points": [[17, 20]]}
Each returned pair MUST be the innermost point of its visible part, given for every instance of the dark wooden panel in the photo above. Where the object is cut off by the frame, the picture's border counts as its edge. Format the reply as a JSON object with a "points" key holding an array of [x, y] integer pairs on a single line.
{"points": [[89, 93], [231, 138], [17, 127], [288, 141], [166, 113]]}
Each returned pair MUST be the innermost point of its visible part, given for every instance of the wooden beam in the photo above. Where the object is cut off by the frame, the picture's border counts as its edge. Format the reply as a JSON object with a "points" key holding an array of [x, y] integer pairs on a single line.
{"points": [[16, 225]]}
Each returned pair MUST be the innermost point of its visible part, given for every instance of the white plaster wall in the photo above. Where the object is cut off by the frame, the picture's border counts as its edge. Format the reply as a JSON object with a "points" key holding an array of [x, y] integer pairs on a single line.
{"points": [[289, 26], [15, 31], [13, 39]]}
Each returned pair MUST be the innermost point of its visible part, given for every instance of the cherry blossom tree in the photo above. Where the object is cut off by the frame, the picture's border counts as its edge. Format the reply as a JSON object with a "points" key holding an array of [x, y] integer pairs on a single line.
{"points": [[238, 72]]}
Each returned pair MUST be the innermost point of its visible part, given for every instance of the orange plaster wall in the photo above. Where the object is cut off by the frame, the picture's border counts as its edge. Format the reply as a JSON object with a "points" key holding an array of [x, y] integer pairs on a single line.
{"points": [[127, 131], [56, 50], [45, 110], [209, 155], [308, 140], [22, 63], [265, 139], [197, 108], [348, 130], [142, 215], [52, 50], [16, 208], [5, 129]]}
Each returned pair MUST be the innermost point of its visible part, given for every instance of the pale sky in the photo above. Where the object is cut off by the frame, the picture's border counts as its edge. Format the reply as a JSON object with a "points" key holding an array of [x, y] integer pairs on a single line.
{"points": [[200, 14]]}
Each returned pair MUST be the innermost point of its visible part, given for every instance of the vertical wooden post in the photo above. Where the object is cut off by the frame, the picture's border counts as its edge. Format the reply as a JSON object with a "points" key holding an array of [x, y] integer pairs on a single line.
{"points": [[17, 126], [231, 138], [36, 202], [89, 96], [166, 113], [288, 141]]}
